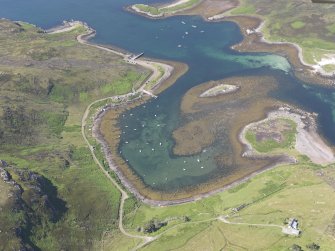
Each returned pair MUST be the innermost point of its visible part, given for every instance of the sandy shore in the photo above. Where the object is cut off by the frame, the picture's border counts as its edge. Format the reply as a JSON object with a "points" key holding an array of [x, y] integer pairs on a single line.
{"points": [[317, 67], [135, 9], [308, 141], [66, 26], [176, 3]]}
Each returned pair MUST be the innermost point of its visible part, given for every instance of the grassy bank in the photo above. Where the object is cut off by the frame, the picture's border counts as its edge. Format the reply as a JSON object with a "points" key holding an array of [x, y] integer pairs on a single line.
{"points": [[269, 198], [46, 82]]}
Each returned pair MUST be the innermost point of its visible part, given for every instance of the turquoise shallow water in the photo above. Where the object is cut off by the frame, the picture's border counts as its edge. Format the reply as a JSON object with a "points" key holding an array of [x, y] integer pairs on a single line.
{"points": [[146, 140]]}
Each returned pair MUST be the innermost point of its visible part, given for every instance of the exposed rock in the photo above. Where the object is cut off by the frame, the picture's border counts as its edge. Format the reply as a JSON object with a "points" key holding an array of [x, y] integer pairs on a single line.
{"points": [[4, 175], [3, 163], [33, 199]]}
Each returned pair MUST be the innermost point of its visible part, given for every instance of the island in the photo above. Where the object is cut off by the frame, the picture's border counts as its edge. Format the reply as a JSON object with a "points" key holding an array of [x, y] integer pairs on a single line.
{"points": [[219, 90]]}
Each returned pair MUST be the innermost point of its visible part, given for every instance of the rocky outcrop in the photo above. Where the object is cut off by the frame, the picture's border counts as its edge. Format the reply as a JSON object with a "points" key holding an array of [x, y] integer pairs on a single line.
{"points": [[32, 201]]}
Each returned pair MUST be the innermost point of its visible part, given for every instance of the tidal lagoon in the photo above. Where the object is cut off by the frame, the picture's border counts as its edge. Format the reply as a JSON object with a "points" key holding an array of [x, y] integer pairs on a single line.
{"points": [[146, 142]]}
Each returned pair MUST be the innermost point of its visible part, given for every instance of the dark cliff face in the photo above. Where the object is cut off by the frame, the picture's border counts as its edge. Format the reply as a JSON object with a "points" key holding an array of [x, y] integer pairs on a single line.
{"points": [[32, 206]]}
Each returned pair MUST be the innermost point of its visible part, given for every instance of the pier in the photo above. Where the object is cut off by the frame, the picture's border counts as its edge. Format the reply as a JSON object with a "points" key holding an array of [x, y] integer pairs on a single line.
{"points": [[131, 58], [149, 93]]}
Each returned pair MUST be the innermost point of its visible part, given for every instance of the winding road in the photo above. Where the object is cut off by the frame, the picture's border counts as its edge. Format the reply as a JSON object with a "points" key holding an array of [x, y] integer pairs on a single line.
{"points": [[157, 76], [224, 220], [124, 194]]}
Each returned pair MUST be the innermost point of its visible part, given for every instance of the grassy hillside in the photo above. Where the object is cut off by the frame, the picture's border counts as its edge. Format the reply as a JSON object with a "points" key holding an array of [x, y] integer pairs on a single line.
{"points": [[46, 82]]}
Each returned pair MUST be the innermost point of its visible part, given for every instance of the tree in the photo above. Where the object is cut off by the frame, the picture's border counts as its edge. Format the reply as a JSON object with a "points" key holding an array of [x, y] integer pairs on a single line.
{"points": [[186, 218], [153, 226], [313, 246], [296, 247]]}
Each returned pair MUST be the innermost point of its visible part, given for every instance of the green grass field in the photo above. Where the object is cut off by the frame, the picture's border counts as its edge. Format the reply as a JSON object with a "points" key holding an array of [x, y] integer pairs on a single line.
{"points": [[44, 91], [271, 198]]}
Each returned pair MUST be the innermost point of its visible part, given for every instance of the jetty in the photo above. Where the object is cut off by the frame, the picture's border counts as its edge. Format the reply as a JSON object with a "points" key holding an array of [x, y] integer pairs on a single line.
{"points": [[131, 58], [149, 93]]}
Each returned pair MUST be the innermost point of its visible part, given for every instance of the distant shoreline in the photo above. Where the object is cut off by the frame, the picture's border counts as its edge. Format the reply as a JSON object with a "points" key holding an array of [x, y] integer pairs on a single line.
{"points": [[254, 41], [133, 8], [251, 28]]}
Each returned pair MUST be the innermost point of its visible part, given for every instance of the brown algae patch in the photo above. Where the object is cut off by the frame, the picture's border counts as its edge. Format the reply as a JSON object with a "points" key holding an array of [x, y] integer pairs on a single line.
{"points": [[221, 117], [218, 121], [209, 122]]}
